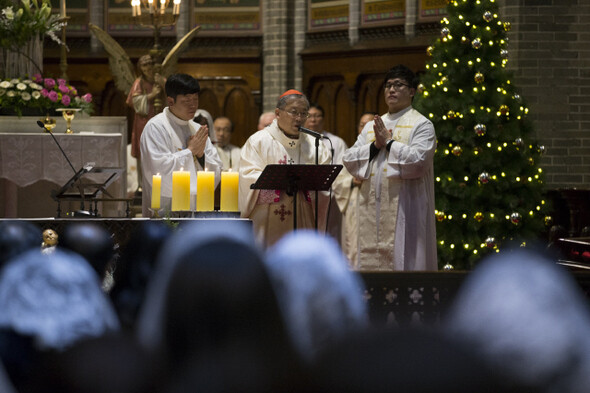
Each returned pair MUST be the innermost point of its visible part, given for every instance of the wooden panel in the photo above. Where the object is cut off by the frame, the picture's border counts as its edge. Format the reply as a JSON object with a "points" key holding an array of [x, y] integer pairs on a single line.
{"points": [[239, 109]]}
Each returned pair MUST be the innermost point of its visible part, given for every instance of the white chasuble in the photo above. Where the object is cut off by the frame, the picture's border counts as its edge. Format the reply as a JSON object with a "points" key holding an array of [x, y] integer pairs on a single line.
{"points": [[164, 150], [271, 211], [396, 224]]}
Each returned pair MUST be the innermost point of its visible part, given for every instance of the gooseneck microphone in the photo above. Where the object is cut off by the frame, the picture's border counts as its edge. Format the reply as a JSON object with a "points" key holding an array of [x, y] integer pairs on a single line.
{"points": [[40, 124], [311, 132]]}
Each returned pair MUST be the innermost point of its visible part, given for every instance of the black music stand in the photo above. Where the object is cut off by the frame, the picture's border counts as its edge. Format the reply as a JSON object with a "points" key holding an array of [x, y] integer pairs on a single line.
{"points": [[292, 178], [80, 188]]}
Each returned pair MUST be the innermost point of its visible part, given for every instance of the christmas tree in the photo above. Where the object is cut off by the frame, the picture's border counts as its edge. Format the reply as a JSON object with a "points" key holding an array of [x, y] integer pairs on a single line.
{"points": [[488, 183]]}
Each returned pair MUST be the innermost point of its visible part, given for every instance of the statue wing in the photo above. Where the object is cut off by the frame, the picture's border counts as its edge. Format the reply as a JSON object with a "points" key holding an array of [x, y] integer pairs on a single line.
{"points": [[169, 63], [119, 62]]}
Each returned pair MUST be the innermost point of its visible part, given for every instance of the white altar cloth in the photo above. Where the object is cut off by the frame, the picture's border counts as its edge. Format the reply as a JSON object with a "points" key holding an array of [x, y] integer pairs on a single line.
{"points": [[28, 158]]}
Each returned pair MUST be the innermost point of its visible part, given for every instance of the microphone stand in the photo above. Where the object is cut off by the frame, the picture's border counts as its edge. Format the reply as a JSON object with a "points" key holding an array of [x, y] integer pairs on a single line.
{"points": [[82, 212]]}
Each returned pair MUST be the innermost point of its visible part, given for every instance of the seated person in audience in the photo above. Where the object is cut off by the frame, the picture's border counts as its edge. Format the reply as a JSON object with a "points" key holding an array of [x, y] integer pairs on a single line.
{"points": [[271, 211], [528, 319], [172, 141], [229, 154], [309, 274], [210, 297], [266, 119], [17, 237], [49, 302]]}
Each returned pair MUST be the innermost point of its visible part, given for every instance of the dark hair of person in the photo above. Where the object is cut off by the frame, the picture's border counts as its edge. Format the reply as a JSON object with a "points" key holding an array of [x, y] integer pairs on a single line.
{"points": [[368, 113], [317, 106], [402, 72], [181, 84]]}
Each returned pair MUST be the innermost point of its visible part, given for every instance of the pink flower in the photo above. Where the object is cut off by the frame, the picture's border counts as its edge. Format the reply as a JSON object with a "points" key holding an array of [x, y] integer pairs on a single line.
{"points": [[61, 82], [66, 99], [37, 78], [87, 97], [49, 83], [64, 89], [44, 92], [53, 96]]}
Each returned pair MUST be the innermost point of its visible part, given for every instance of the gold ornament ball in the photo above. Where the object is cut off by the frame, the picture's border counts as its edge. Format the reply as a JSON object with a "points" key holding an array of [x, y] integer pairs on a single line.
{"points": [[548, 221], [457, 151], [504, 110], [444, 79], [507, 26], [480, 129], [445, 32], [451, 115], [440, 216], [479, 78], [478, 216], [429, 50], [487, 16], [420, 88], [515, 218], [490, 242], [476, 43], [484, 178]]}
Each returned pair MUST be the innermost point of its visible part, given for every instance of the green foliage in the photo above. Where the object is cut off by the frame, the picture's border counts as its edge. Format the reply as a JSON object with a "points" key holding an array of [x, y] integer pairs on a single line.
{"points": [[488, 184], [20, 22]]}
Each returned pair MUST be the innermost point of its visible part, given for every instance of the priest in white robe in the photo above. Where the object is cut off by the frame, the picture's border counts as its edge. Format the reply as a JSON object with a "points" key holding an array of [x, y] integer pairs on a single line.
{"points": [[393, 156], [172, 141], [271, 211]]}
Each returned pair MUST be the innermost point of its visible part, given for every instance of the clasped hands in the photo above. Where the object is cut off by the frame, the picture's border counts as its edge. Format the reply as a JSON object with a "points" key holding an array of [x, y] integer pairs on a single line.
{"points": [[196, 143], [382, 134]]}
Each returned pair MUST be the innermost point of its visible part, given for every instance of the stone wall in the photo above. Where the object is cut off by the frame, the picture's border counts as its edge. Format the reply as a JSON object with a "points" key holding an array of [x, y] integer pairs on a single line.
{"points": [[549, 53]]}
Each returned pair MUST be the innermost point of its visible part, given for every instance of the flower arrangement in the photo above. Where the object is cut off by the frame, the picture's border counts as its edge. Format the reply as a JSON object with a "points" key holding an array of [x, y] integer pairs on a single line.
{"points": [[45, 94], [32, 18]]}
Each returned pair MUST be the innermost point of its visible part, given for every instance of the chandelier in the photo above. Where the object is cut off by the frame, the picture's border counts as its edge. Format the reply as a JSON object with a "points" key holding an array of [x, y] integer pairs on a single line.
{"points": [[152, 14]]}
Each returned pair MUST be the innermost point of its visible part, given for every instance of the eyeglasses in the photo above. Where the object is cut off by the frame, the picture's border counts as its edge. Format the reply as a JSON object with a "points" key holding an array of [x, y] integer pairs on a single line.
{"points": [[397, 86], [294, 114]]}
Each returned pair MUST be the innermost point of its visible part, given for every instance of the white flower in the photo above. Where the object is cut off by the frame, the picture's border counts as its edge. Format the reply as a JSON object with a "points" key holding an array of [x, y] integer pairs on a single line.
{"points": [[14, 81], [5, 84], [8, 13], [21, 86], [25, 96], [27, 81], [36, 95], [35, 86], [10, 93]]}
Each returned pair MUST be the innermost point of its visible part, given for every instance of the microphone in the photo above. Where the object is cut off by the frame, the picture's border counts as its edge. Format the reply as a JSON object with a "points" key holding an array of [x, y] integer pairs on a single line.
{"points": [[310, 132], [40, 124]]}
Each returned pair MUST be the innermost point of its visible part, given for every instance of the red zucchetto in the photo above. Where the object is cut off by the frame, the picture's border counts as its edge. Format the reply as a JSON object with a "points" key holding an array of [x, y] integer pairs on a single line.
{"points": [[289, 92]]}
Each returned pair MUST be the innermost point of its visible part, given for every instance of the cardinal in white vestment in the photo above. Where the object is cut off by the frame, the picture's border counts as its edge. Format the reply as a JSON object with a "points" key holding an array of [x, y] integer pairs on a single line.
{"points": [[393, 156], [172, 141], [271, 211]]}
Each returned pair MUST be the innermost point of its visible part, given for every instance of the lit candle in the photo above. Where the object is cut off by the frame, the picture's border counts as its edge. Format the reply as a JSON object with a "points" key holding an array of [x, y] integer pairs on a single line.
{"points": [[205, 190], [181, 190], [162, 6], [176, 8], [151, 6], [229, 191], [156, 191], [62, 6]]}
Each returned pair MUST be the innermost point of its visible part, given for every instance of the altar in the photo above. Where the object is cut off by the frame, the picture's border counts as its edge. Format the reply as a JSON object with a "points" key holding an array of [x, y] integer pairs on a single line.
{"points": [[32, 165]]}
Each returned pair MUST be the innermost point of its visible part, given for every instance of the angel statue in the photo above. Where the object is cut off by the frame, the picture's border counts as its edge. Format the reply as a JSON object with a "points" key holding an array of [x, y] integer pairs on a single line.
{"points": [[144, 89]]}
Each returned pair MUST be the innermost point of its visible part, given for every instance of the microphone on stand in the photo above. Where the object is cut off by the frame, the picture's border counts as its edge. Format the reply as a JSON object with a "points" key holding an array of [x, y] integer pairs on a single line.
{"points": [[40, 124], [77, 213], [311, 132]]}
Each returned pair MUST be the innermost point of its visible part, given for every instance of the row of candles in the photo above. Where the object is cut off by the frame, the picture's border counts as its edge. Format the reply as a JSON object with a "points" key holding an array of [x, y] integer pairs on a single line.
{"points": [[181, 194]]}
